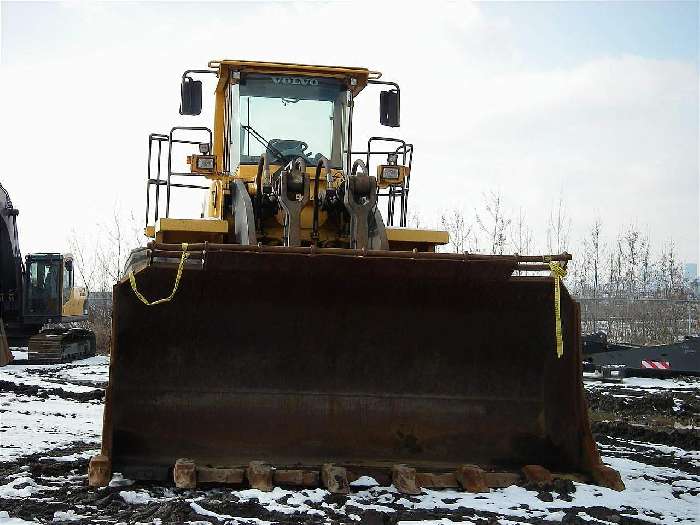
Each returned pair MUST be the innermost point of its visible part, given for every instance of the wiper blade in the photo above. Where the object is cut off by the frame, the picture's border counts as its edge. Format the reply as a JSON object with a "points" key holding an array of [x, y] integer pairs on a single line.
{"points": [[262, 140]]}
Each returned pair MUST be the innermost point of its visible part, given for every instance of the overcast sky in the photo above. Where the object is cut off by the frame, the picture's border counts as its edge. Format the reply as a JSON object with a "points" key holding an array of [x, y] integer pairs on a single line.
{"points": [[595, 102]]}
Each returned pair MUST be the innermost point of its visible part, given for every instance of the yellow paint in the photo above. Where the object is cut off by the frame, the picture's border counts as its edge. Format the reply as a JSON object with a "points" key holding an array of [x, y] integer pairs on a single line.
{"points": [[216, 228], [558, 272], [413, 235], [75, 305], [215, 200], [190, 230], [403, 175], [283, 68]]}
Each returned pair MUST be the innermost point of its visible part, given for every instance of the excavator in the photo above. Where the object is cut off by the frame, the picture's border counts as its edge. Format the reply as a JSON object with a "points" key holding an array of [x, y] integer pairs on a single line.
{"points": [[39, 301], [299, 333]]}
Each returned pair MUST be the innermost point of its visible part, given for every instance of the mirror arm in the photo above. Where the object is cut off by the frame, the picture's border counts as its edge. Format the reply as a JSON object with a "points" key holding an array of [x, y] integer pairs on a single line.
{"points": [[187, 73], [385, 83]]}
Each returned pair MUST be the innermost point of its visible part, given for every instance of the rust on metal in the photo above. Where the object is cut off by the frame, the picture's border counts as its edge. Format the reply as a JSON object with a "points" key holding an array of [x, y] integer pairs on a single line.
{"points": [[259, 476], [228, 476], [607, 477], [537, 475], [431, 480], [99, 471], [500, 480], [185, 474], [471, 478], [296, 478], [404, 479], [361, 359], [335, 479]]}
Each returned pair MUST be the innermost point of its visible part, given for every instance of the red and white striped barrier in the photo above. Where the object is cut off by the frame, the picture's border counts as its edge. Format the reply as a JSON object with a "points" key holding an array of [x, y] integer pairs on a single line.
{"points": [[662, 365]]}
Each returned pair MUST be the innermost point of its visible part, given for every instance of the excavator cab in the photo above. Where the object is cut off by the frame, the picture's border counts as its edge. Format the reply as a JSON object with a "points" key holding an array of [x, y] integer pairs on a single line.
{"points": [[38, 298], [44, 288], [51, 302], [50, 292]]}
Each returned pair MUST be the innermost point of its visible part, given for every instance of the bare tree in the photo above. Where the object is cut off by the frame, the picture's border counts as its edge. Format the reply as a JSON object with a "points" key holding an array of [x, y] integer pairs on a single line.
{"points": [[455, 224], [414, 219], [558, 228], [493, 222], [595, 258], [100, 261], [521, 235]]}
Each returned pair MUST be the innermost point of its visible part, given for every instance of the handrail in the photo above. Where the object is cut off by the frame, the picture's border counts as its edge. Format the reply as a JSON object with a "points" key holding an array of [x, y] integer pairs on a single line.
{"points": [[158, 181]]}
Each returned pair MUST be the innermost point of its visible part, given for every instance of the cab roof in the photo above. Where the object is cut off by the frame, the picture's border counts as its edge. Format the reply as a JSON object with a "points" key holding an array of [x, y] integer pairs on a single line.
{"points": [[360, 74]]}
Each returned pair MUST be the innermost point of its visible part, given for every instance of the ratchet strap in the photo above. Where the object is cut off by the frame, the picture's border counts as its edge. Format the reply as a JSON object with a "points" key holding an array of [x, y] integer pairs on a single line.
{"points": [[558, 272], [145, 301]]}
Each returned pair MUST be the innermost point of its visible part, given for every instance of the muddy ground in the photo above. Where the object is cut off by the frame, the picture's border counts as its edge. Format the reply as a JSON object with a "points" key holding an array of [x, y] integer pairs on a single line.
{"points": [[648, 430]]}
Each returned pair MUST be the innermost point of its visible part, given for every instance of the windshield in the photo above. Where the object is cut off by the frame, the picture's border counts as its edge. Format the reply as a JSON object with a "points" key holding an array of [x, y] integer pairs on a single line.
{"points": [[291, 117], [43, 295]]}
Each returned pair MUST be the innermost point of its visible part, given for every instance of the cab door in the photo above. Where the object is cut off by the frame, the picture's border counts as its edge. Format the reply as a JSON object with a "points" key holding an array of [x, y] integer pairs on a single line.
{"points": [[43, 290]]}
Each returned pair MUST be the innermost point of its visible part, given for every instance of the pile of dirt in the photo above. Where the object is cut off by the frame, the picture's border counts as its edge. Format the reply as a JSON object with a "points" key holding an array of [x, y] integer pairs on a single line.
{"points": [[44, 393], [683, 407], [687, 439]]}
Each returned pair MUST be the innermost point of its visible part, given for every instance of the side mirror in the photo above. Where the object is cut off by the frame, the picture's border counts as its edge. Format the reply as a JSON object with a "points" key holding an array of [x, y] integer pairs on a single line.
{"points": [[390, 108], [190, 96]]}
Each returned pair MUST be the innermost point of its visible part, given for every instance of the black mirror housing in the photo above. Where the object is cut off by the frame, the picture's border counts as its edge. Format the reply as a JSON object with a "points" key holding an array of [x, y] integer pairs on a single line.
{"points": [[190, 96], [390, 108]]}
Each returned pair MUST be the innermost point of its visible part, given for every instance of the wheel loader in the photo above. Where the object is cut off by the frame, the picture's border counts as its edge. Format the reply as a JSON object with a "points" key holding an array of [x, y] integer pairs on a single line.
{"points": [[299, 333], [39, 301]]}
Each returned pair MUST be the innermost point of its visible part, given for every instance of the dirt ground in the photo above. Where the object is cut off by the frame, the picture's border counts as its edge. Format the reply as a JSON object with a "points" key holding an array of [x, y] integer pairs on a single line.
{"points": [[647, 429]]}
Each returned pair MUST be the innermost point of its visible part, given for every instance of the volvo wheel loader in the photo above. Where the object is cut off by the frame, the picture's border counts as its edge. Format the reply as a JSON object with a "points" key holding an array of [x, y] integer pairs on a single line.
{"points": [[299, 333], [39, 301]]}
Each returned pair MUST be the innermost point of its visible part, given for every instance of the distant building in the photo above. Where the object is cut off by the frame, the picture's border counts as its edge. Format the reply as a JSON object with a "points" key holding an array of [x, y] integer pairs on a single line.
{"points": [[690, 274]]}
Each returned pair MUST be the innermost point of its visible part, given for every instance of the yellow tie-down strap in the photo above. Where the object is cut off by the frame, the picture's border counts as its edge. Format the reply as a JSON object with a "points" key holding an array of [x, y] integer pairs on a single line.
{"points": [[145, 301], [558, 272]]}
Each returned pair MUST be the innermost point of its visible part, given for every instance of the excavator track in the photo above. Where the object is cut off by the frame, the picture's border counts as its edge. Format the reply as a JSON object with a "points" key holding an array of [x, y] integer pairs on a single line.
{"points": [[60, 345]]}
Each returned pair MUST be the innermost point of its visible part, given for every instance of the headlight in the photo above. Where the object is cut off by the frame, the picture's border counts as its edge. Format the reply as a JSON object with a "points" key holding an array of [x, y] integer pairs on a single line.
{"points": [[390, 173], [205, 163]]}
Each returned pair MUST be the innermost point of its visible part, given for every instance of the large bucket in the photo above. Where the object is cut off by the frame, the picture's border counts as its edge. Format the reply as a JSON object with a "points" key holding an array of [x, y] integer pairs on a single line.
{"points": [[301, 357]]}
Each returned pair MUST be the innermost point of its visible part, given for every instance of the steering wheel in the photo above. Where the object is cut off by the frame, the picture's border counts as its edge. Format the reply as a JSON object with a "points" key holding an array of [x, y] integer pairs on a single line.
{"points": [[291, 147]]}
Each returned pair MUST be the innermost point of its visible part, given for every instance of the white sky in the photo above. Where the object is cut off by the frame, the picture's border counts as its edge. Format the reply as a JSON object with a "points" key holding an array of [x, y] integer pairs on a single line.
{"points": [[595, 102]]}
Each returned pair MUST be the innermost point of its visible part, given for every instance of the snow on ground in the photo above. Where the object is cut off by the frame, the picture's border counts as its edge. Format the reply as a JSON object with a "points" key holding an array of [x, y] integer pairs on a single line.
{"points": [[19, 352], [5, 519], [32, 421], [50, 415], [647, 384]]}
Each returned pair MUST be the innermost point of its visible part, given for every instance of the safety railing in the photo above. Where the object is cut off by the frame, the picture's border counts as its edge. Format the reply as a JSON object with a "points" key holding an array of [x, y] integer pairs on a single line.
{"points": [[159, 145], [393, 192]]}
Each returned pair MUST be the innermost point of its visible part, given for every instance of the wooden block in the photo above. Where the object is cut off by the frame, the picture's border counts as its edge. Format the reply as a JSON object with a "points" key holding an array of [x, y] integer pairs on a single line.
{"points": [[335, 479], [404, 479], [185, 474], [259, 476], [537, 475], [606, 476], [233, 476], [5, 353], [471, 478], [99, 471], [500, 480], [296, 478], [436, 481]]}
